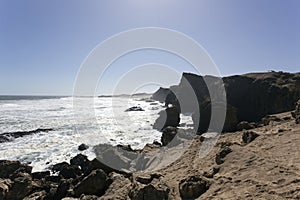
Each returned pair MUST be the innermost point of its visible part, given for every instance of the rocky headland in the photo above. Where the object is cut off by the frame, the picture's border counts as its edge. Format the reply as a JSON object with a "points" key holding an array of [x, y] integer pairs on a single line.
{"points": [[258, 159]]}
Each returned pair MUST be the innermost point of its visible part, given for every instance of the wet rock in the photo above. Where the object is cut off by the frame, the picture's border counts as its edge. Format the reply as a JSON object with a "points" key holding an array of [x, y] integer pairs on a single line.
{"points": [[70, 171], [40, 175], [244, 126], [20, 187], [5, 137], [249, 136], [94, 184], [62, 189], [83, 147], [134, 108], [59, 166], [168, 117], [193, 187], [7, 168], [81, 161]]}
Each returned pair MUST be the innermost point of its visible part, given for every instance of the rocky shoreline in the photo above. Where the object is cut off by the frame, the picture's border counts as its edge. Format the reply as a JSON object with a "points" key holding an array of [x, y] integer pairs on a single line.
{"points": [[258, 159], [244, 163]]}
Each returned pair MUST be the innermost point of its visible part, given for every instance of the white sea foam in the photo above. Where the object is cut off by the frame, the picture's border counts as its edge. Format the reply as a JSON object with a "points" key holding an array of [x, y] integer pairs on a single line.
{"points": [[108, 125]]}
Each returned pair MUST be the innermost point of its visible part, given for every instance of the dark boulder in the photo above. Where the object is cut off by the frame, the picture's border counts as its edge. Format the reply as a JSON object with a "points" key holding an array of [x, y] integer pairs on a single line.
{"points": [[156, 190], [70, 171], [83, 147], [40, 175], [193, 187], [224, 151], [244, 126], [7, 168], [80, 160], [168, 135], [249, 136], [94, 184], [134, 108], [21, 186]]}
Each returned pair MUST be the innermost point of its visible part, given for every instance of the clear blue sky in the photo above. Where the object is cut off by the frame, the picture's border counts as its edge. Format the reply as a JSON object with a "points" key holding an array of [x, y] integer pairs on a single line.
{"points": [[43, 43]]}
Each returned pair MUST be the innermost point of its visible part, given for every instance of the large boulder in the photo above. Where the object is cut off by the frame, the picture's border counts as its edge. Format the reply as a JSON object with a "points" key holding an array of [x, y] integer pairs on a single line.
{"points": [[193, 187], [9, 167], [156, 190], [94, 184], [21, 186]]}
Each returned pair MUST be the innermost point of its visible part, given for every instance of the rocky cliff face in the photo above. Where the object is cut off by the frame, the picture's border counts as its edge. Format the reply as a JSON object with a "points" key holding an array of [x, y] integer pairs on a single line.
{"points": [[250, 96]]}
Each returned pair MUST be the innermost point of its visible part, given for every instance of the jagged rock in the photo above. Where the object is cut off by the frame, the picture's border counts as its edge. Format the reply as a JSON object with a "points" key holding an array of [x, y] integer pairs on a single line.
{"points": [[70, 171], [20, 187], [59, 166], [83, 147], [161, 94], [118, 189], [81, 161], [168, 117], [249, 136], [134, 108], [62, 189], [5, 184], [224, 151], [40, 175], [267, 119], [36, 196], [7, 168], [94, 184], [193, 187], [244, 126], [156, 190], [252, 96]]}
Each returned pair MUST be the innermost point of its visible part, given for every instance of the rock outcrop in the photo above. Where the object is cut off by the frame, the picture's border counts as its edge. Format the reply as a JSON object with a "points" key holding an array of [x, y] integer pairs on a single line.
{"points": [[168, 117], [250, 97]]}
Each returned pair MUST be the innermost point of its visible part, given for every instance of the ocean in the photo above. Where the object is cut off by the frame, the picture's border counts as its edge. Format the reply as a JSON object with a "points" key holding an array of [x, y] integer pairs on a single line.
{"points": [[108, 124]]}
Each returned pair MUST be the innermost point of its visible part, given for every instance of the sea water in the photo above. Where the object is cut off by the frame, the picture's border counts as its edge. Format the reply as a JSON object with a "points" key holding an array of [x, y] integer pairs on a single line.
{"points": [[108, 123]]}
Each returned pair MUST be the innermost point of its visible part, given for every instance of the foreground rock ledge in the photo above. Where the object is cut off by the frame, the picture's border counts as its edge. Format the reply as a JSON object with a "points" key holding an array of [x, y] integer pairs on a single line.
{"points": [[264, 168]]}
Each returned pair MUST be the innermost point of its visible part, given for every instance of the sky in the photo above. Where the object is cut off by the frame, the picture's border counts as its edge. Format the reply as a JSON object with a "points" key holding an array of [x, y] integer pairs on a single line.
{"points": [[43, 43]]}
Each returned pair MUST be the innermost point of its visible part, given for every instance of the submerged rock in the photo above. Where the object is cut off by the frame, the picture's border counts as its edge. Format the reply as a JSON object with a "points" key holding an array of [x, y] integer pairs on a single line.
{"points": [[134, 108], [83, 147]]}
